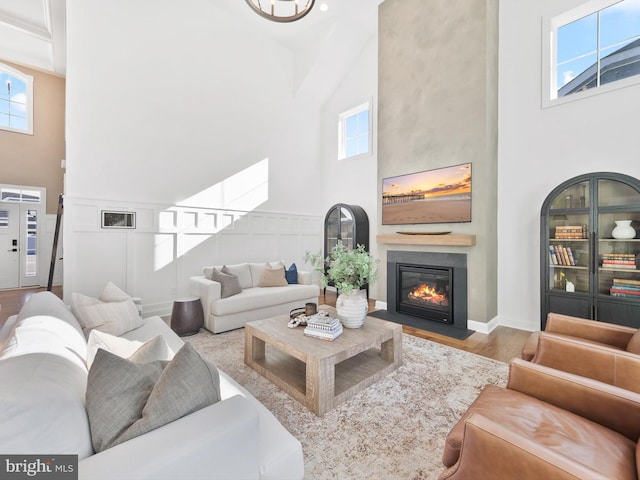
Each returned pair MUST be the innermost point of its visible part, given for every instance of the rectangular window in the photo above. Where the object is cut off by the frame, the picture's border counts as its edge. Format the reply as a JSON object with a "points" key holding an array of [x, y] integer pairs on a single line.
{"points": [[354, 132], [593, 46]]}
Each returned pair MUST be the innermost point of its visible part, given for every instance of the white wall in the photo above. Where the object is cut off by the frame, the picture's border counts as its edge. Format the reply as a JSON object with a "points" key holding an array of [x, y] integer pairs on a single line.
{"points": [[178, 103], [353, 180], [541, 148]]}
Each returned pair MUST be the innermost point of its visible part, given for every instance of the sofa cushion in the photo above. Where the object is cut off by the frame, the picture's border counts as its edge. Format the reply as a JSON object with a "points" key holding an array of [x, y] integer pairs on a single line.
{"points": [[115, 317], [229, 283], [291, 274], [257, 271], [242, 271], [126, 399], [273, 276], [255, 298], [42, 407], [137, 351]]}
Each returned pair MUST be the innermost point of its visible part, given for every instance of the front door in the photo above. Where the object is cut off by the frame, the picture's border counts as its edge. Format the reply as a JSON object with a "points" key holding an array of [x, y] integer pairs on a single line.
{"points": [[9, 245]]}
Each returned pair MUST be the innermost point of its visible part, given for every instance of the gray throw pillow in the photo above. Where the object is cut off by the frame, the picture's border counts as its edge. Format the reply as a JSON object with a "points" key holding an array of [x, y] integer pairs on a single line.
{"points": [[230, 284], [125, 399]]}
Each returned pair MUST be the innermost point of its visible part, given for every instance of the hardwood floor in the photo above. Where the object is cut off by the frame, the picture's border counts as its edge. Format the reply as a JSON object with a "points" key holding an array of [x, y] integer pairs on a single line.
{"points": [[502, 344]]}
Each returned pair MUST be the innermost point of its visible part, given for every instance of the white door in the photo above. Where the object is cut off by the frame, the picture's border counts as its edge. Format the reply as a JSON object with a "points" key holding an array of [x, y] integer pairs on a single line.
{"points": [[9, 245]]}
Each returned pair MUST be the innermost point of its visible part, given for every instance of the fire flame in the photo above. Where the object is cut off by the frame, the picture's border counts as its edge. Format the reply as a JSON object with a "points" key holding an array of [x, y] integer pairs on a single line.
{"points": [[426, 293]]}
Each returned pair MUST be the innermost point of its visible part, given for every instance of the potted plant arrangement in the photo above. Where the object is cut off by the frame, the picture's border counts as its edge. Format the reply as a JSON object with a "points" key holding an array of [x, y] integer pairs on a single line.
{"points": [[349, 270]]}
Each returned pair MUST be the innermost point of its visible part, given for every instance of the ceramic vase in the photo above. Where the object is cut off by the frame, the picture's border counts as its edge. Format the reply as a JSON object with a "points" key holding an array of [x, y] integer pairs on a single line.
{"points": [[623, 229], [352, 308]]}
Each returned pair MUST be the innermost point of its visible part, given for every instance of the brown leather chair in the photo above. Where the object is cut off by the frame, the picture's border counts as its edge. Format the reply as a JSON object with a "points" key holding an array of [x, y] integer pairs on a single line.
{"points": [[546, 424], [600, 333]]}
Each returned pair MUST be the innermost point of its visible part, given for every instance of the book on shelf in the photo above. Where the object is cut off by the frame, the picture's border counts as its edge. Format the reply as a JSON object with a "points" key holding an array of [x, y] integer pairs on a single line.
{"points": [[626, 281], [561, 255], [572, 232]]}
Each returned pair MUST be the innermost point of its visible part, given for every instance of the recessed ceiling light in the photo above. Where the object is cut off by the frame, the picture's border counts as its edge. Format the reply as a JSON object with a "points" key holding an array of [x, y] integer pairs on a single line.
{"points": [[324, 7]]}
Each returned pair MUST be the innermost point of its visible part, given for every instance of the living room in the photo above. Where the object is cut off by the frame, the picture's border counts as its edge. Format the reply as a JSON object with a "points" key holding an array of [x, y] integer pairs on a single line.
{"points": [[220, 132]]}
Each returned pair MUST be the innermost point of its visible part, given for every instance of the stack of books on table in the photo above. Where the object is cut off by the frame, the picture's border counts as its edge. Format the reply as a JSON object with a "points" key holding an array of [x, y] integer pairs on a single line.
{"points": [[326, 328], [625, 288]]}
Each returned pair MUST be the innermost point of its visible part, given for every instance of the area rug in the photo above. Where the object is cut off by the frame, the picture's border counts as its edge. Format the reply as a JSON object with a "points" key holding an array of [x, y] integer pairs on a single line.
{"points": [[395, 429]]}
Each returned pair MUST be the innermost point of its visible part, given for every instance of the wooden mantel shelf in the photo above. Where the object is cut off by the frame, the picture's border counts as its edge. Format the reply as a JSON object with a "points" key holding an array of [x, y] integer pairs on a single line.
{"points": [[450, 239]]}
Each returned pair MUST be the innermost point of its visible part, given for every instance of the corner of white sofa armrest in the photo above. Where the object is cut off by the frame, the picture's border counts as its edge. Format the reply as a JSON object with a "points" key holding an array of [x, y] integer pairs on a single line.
{"points": [[217, 442]]}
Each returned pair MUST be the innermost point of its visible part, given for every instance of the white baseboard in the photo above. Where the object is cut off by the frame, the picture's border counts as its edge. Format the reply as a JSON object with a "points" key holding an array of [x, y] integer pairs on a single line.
{"points": [[380, 305], [482, 327]]}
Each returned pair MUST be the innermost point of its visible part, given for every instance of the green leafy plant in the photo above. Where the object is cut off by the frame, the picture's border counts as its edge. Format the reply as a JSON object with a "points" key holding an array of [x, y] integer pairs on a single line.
{"points": [[348, 269]]}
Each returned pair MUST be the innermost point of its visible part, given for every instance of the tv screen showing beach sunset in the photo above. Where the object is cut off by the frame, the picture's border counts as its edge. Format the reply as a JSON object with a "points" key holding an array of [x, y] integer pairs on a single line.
{"points": [[434, 196]]}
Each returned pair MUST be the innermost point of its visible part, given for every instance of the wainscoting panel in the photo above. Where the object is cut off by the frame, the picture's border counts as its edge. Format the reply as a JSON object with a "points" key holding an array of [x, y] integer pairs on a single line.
{"points": [[172, 243]]}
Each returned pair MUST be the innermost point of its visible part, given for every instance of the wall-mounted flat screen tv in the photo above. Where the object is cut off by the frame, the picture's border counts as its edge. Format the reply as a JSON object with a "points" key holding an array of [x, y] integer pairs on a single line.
{"points": [[442, 195]]}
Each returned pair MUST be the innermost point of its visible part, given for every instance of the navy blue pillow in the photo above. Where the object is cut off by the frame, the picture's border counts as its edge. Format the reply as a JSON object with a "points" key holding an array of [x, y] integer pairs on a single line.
{"points": [[291, 274]]}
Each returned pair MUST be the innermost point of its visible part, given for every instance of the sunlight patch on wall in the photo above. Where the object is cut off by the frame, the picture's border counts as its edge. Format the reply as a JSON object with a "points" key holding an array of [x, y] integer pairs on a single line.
{"points": [[197, 218], [245, 190], [163, 251]]}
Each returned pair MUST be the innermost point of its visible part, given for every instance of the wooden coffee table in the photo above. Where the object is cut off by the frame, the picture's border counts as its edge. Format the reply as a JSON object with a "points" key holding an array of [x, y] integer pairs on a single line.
{"points": [[320, 374]]}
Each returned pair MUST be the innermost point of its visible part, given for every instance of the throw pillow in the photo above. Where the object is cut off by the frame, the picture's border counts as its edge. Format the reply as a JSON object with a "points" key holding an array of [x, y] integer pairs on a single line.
{"points": [[229, 283], [113, 293], [115, 318], [126, 399], [291, 274], [135, 350], [273, 277]]}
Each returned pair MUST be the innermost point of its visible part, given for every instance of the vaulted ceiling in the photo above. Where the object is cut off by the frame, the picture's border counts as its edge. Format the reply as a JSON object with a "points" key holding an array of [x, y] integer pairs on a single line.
{"points": [[33, 33]]}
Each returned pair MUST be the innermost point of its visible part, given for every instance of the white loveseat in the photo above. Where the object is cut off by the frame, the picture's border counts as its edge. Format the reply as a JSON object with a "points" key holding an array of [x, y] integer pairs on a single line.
{"points": [[43, 378], [254, 302]]}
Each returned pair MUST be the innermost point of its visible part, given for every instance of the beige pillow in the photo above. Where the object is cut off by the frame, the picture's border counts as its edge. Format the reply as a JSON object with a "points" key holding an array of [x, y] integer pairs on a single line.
{"points": [[135, 350], [126, 399], [115, 318], [273, 277]]}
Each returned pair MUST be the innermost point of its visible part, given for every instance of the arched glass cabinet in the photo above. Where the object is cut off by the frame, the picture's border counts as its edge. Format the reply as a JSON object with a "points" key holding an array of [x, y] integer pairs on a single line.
{"points": [[589, 270], [348, 224]]}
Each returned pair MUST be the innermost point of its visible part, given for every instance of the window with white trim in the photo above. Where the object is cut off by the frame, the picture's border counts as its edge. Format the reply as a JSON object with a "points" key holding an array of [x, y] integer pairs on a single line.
{"points": [[594, 48], [354, 132], [16, 100]]}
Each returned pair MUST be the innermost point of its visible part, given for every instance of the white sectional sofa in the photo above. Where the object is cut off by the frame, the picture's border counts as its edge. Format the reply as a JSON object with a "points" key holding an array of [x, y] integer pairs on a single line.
{"points": [[43, 378], [254, 302]]}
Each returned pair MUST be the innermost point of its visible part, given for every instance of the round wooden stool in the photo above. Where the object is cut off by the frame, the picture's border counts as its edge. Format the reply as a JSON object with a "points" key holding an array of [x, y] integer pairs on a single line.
{"points": [[187, 316]]}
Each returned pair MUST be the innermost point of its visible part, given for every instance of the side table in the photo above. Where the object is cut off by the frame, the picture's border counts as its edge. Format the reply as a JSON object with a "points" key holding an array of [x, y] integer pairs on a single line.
{"points": [[187, 316]]}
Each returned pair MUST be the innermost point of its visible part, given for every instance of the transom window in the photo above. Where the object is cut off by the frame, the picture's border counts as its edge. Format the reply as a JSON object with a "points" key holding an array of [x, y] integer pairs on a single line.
{"points": [[16, 100], [354, 132], [595, 45]]}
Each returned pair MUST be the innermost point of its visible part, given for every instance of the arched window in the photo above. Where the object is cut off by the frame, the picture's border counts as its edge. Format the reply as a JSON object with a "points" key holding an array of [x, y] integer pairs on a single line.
{"points": [[16, 100]]}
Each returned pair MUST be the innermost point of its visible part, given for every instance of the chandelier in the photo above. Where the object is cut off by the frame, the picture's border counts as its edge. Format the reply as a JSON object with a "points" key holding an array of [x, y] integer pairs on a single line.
{"points": [[283, 11]]}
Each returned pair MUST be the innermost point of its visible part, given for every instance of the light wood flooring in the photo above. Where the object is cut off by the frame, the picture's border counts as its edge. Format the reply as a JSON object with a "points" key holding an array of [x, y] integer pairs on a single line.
{"points": [[502, 344]]}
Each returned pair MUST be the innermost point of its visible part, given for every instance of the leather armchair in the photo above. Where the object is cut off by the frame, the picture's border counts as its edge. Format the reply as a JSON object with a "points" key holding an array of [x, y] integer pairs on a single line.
{"points": [[546, 424], [614, 336]]}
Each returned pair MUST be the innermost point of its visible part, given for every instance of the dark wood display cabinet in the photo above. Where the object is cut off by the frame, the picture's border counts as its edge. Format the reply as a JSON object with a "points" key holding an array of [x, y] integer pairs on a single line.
{"points": [[348, 224], [590, 252]]}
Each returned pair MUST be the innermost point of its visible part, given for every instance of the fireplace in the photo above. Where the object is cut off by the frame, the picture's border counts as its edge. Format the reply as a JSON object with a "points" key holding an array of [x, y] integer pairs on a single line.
{"points": [[428, 290], [424, 291]]}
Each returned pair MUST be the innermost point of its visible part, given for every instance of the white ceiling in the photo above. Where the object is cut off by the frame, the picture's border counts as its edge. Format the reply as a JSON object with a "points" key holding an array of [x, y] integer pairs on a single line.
{"points": [[33, 33]]}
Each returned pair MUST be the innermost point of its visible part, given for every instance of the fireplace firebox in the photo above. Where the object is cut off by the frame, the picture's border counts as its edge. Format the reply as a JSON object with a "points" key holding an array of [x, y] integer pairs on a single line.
{"points": [[428, 290], [425, 291]]}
